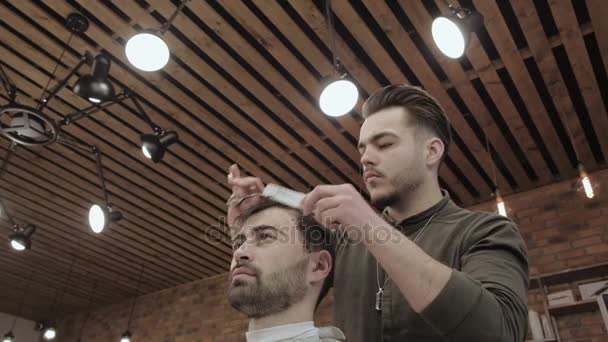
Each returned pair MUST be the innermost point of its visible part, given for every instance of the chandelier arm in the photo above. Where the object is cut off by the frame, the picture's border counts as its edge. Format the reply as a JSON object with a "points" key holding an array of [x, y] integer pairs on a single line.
{"points": [[102, 179], [7, 157], [45, 101], [83, 113], [71, 143], [8, 84], [145, 116]]}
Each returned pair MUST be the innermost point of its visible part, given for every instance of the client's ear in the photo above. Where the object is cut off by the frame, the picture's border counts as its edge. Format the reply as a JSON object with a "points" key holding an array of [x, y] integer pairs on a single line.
{"points": [[321, 265]]}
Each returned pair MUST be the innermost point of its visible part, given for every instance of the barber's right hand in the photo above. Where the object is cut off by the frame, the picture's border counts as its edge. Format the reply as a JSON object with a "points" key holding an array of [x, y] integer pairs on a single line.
{"points": [[241, 186]]}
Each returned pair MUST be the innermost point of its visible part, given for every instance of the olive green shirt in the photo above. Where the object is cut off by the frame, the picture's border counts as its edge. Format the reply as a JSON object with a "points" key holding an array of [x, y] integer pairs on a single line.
{"points": [[485, 298]]}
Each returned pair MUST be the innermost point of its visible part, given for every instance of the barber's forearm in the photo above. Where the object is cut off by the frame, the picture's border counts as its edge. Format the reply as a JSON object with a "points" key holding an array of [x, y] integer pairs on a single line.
{"points": [[419, 277]]}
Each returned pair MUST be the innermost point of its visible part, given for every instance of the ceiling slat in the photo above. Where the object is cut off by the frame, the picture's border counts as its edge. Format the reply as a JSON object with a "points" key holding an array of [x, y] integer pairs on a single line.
{"points": [[565, 19]]}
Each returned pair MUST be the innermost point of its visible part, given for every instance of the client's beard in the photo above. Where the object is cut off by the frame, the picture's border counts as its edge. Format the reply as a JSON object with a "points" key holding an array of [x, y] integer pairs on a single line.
{"points": [[273, 294]]}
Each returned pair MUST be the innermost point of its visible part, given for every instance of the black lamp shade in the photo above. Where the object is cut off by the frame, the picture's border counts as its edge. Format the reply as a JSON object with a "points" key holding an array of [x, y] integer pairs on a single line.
{"points": [[22, 238], [444, 29], [153, 146], [96, 87], [100, 217]]}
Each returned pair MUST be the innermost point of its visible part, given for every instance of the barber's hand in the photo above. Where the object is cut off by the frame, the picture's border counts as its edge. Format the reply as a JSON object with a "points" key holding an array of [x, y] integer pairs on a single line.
{"points": [[241, 187], [340, 204]]}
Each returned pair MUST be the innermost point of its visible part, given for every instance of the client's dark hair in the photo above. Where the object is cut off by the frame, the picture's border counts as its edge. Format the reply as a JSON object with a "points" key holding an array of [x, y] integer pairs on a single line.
{"points": [[316, 236]]}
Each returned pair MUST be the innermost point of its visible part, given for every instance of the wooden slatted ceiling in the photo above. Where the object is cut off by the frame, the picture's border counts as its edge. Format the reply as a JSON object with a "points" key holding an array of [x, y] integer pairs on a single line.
{"points": [[241, 86]]}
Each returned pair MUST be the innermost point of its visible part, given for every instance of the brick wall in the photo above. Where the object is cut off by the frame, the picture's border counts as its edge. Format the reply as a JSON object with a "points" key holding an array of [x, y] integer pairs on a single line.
{"points": [[194, 312], [561, 231]]}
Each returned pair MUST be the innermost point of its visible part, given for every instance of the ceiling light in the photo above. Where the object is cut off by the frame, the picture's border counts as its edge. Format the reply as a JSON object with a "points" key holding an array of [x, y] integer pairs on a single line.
{"points": [[339, 98], [339, 95], [50, 333], [100, 217], [147, 51], [154, 146], [586, 185], [451, 33], [96, 87], [8, 337], [126, 337], [21, 239]]}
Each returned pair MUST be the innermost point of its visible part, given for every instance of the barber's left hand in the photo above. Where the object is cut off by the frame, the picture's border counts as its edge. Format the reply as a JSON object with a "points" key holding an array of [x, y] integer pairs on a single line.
{"points": [[339, 204]]}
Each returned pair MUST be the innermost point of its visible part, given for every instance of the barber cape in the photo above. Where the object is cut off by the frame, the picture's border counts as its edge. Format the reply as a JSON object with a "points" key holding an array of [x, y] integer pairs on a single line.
{"points": [[301, 332]]}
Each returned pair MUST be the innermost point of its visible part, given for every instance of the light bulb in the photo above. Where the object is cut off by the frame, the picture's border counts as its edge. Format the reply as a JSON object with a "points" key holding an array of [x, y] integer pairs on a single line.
{"points": [[94, 100], [587, 186], [97, 218], [147, 51], [18, 246], [50, 334], [339, 98], [448, 37], [146, 152]]}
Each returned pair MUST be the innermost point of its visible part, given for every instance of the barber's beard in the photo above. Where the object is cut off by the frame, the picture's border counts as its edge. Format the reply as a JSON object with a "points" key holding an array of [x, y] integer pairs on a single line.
{"points": [[270, 294], [402, 188]]}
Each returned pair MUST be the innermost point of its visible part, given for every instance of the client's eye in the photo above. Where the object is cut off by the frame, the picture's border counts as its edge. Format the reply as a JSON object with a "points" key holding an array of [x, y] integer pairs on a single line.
{"points": [[236, 245], [266, 236]]}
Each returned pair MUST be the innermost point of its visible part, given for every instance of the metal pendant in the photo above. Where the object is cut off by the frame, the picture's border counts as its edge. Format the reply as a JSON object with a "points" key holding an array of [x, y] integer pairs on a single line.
{"points": [[379, 299]]}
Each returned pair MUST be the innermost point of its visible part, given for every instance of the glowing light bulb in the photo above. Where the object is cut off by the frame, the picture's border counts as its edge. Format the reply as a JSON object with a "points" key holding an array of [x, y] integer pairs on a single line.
{"points": [[500, 204], [339, 98], [448, 37], [588, 188]]}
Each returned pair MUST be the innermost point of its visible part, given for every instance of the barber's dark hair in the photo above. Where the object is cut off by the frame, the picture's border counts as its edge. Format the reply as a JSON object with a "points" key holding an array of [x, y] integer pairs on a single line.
{"points": [[425, 111], [316, 236]]}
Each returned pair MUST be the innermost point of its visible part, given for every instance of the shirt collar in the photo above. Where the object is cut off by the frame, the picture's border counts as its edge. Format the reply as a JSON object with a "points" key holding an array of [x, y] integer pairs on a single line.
{"points": [[283, 332], [413, 222]]}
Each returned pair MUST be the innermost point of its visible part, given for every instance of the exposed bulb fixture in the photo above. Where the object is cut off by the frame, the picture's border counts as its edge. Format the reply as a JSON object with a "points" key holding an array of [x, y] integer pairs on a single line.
{"points": [[100, 217], [8, 337], [451, 33], [147, 51], [586, 182], [96, 87], [21, 239], [339, 97], [500, 204], [153, 146], [126, 337], [50, 333]]}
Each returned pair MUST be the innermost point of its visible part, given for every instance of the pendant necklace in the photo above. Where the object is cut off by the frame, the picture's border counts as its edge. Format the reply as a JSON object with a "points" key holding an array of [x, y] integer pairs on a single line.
{"points": [[380, 292]]}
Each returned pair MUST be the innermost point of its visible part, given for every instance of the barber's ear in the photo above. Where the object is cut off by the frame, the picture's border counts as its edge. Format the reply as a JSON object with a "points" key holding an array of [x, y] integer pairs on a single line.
{"points": [[435, 150], [321, 266]]}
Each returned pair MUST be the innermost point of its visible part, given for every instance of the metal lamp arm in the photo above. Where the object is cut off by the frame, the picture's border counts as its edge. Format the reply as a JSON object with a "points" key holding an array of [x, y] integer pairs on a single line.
{"points": [[81, 114], [102, 179], [145, 116], [8, 84], [85, 59], [7, 158], [91, 149]]}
